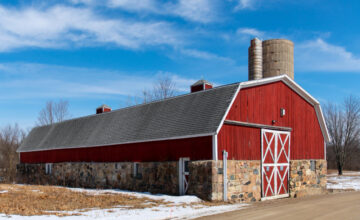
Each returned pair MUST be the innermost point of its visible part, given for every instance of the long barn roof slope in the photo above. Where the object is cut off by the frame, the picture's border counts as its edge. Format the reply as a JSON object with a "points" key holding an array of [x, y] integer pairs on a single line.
{"points": [[194, 114], [191, 115]]}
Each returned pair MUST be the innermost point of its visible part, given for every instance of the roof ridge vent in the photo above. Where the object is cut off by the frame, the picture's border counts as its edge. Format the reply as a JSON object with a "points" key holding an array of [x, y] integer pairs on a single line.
{"points": [[102, 109], [200, 85]]}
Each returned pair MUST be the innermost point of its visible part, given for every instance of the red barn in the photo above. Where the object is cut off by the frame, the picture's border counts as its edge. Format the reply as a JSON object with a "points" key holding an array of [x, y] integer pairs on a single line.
{"points": [[272, 131]]}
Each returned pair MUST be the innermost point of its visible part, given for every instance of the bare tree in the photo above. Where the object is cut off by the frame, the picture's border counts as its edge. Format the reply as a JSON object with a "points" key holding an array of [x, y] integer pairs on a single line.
{"points": [[162, 89], [10, 139], [53, 112], [344, 128]]}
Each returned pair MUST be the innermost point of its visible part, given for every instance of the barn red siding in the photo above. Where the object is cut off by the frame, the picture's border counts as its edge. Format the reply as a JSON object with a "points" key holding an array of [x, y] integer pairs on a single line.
{"points": [[207, 86], [261, 105], [242, 143], [199, 148], [197, 88]]}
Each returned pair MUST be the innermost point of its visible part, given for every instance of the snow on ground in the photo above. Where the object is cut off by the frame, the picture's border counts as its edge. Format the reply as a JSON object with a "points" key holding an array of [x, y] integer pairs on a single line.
{"points": [[348, 181], [180, 207], [142, 214]]}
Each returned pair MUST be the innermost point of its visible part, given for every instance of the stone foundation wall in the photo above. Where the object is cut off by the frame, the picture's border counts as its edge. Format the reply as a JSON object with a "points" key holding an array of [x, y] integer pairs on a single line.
{"points": [[201, 179], [307, 177], [154, 177], [244, 180]]}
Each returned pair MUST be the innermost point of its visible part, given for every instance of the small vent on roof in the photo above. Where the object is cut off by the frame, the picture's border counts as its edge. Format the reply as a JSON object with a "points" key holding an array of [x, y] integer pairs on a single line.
{"points": [[200, 86], [102, 109]]}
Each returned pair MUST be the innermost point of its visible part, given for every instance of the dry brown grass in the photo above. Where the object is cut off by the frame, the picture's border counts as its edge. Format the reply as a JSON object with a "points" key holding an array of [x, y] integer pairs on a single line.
{"points": [[48, 200], [28, 200]]}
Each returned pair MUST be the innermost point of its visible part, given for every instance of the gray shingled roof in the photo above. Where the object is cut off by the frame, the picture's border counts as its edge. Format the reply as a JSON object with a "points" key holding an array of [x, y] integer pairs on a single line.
{"points": [[192, 114]]}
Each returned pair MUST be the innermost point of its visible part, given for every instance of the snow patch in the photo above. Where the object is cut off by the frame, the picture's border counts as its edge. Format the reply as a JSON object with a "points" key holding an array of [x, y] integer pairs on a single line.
{"points": [[180, 207], [350, 180]]}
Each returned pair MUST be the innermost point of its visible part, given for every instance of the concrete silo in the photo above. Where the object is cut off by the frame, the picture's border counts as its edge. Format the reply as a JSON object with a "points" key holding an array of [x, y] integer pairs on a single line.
{"points": [[277, 58], [255, 59]]}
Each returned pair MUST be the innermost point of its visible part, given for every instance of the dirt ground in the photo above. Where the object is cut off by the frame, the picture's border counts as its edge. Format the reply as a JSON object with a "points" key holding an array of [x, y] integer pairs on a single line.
{"points": [[343, 206]]}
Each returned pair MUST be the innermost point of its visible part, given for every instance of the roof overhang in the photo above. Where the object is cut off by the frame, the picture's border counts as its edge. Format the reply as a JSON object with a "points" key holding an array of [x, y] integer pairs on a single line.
{"points": [[295, 87]]}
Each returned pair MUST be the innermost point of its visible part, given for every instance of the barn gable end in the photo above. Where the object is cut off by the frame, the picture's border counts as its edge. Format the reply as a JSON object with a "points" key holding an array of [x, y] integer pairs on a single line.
{"points": [[261, 105]]}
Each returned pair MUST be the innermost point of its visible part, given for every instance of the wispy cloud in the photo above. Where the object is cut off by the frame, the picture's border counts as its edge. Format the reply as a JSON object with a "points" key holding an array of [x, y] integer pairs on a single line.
{"points": [[202, 11], [205, 55], [63, 26], [244, 4], [252, 32], [36, 81], [318, 55]]}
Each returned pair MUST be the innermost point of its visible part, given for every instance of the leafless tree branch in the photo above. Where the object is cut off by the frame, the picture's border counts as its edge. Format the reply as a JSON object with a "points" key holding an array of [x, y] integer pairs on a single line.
{"points": [[10, 139], [53, 112], [343, 123]]}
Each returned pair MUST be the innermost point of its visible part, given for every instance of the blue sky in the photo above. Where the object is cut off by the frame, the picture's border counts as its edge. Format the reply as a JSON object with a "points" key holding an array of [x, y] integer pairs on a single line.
{"points": [[93, 52]]}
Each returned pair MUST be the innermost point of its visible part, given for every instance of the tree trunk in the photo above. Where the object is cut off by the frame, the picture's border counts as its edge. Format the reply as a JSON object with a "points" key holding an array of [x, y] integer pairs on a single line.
{"points": [[340, 169]]}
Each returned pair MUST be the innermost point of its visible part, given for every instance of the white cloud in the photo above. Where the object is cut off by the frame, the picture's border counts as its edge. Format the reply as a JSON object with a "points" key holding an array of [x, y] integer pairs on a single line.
{"points": [[135, 5], [204, 55], [36, 81], [195, 10], [202, 11], [245, 4], [62, 26], [250, 32], [318, 55]]}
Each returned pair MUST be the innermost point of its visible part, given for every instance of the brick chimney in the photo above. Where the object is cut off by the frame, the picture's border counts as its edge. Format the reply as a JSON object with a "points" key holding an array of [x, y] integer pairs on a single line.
{"points": [[200, 86], [102, 109]]}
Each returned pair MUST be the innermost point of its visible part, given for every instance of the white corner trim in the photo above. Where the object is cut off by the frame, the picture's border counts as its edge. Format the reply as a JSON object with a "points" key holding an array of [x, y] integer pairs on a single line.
{"points": [[228, 109], [322, 123], [324, 150], [215, 147]]}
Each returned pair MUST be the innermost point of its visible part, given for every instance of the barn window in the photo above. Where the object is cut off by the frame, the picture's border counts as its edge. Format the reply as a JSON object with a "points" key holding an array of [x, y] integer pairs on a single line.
{"points": [[186, 165], [312, 165], [48, 168], [136, 170]]}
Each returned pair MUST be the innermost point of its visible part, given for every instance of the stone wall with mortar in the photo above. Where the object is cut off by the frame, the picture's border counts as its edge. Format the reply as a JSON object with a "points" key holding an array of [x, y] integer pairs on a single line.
{"points": [[155, 177], [307, 177], [244, 181]]}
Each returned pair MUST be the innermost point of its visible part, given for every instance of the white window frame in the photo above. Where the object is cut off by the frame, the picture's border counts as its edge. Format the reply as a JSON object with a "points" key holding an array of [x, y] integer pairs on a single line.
{"points": [[48, 168], [136, 169]]}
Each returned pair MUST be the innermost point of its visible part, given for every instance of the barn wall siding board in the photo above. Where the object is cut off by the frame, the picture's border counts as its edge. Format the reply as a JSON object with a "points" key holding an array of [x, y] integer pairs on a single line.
{"points": [[199, 148], [261, 105]]}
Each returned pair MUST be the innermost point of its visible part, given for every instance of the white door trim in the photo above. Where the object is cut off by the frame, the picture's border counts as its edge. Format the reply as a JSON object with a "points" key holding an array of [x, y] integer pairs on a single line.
{"points": [[275, 173], [183, 182]]}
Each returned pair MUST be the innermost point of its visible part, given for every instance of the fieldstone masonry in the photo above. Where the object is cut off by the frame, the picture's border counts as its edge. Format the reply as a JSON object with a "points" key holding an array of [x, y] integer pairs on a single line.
{"points": [[307, 177], [156, 177], [244, 181]]}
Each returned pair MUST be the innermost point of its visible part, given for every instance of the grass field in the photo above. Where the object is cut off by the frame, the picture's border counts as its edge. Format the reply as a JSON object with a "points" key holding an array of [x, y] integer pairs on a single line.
{"points": [[36, 201]]}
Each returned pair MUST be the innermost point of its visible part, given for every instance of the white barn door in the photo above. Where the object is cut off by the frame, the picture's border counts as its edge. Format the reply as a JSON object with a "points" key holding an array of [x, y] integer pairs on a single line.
{"points": [[275, 163], [183, 175]]}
